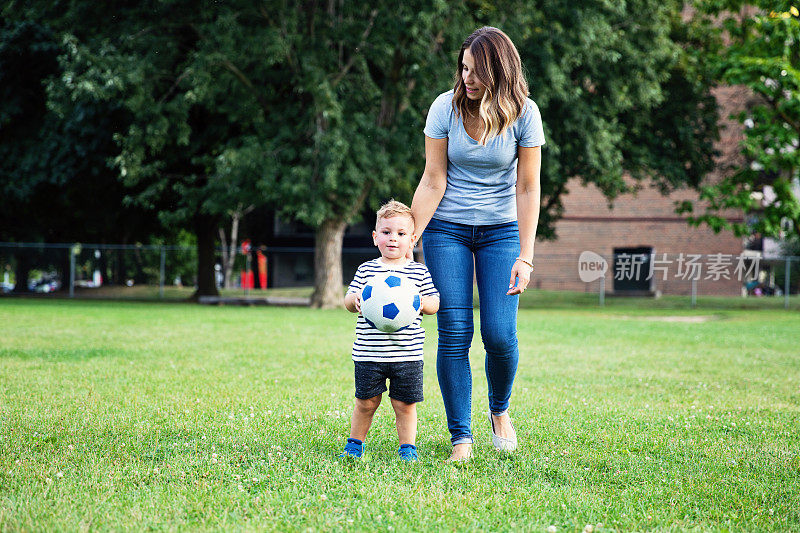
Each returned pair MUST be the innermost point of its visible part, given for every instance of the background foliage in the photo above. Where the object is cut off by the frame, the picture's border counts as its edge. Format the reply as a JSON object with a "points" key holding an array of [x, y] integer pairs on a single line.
{"points": [[761, 52], [194, 111]]}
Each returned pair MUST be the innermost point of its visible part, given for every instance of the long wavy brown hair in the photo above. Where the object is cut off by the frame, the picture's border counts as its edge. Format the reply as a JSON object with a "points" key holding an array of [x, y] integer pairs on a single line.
{"points": [[499, 68]]}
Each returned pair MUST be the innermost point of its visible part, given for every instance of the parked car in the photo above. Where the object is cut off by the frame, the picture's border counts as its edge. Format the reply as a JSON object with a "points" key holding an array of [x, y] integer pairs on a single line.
{"points": [[44, 284]]}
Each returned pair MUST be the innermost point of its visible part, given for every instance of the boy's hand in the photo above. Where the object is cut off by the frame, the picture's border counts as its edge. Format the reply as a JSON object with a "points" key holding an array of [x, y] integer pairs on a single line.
{"points": [[352, 302], [430, 305]]}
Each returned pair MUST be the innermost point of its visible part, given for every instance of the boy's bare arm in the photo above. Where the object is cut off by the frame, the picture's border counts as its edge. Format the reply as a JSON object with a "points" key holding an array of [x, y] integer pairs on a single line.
{"points": [[352, 302], [430, 305]]}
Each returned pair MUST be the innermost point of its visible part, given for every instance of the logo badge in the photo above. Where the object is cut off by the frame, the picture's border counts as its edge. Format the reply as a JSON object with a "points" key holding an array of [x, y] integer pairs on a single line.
{"points": [[591, 266]]}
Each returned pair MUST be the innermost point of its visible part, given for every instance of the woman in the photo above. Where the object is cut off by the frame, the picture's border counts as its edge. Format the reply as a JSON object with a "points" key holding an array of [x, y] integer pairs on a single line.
{"points": [[478, 203]]}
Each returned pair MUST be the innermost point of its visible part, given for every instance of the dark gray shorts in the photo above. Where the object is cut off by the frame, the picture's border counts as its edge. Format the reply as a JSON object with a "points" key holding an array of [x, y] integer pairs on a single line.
{"points": [[405, 380]]}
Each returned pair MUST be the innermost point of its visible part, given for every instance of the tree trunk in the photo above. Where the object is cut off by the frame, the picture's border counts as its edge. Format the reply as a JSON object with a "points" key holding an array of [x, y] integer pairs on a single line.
{"points": [[328, 264], [228, 255], [22, 272], [229, 252], [206, 228]]}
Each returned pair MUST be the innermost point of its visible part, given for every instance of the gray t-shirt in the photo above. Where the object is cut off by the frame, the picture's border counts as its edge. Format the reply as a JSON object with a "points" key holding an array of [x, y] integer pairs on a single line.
{"points": [[481, 179]]}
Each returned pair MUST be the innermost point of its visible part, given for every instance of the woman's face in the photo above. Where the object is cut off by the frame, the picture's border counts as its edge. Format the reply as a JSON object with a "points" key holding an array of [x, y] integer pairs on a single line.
{"points": [[475, 89]]}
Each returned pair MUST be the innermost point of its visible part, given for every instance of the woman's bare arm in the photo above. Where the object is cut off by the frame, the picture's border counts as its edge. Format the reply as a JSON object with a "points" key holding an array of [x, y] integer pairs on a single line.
{"points": [[528, 203], [432, 185]]}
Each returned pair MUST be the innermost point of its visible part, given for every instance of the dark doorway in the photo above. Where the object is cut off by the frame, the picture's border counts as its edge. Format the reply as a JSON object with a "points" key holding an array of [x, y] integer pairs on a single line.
{"points": [[632, 270]]}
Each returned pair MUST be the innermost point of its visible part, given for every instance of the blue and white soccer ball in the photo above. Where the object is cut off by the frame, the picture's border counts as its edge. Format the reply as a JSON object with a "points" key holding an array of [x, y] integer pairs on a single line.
{"points": [[390, 302]]}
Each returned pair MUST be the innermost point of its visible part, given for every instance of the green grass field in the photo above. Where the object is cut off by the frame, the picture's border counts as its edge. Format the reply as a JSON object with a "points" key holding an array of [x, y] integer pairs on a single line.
{"points": [[533, 298], [166, 416]]}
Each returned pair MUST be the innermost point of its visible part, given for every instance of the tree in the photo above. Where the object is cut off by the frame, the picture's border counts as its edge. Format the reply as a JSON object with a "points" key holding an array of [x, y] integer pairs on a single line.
{"points": [[621, 93], [761, 54], [28, 59], [229, 251], [317, 108], [55, 182], [192, 149], [357, 79], [617, 84]]}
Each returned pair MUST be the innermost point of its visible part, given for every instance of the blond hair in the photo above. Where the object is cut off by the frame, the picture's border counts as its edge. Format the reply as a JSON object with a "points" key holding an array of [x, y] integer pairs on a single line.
{"points": [[393, 208], [499, 68]]}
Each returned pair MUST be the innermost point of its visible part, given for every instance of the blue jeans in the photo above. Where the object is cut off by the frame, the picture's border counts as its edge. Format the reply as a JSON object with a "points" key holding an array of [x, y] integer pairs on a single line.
{"points": [[450, 250]]}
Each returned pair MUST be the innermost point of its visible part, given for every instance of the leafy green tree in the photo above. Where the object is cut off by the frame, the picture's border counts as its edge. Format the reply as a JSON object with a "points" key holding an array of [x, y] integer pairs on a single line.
{"points": [[620, 89], [622, 93], [55, 183], [761, 53], [358, 78], [192, 148], [302, 100], [317, 108], [28, 58]]}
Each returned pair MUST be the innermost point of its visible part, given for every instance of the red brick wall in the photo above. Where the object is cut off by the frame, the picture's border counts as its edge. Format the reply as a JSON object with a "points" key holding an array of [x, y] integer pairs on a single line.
{"points": [[643, 219]]}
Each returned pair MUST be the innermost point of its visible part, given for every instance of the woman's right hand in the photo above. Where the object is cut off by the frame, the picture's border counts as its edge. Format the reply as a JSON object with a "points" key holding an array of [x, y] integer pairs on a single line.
{"points": [[520, 277]]}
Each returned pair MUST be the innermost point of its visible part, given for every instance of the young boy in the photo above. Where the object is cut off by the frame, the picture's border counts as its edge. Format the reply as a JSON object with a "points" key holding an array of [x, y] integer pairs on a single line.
{"points": [[394, 356]]}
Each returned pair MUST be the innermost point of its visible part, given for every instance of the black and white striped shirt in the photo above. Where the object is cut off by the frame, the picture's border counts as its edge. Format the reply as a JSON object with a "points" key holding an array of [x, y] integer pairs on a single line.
{"points": [[404, 345]]}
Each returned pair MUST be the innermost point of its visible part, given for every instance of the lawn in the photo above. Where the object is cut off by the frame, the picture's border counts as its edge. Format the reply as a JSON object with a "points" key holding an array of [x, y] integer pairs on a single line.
{"points": [[121, 415], [533, 298]]}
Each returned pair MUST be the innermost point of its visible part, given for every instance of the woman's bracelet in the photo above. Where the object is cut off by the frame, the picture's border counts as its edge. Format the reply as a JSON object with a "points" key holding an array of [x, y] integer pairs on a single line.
{"points": [[526, 262]]}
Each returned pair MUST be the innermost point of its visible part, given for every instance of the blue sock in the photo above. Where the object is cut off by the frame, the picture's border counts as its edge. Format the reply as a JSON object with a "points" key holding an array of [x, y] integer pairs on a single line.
{"points": [[353, 448], [408, 452]]}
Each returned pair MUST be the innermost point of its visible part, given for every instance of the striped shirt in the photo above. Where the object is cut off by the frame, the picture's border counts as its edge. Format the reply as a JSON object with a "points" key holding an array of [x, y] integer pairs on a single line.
{"points": [[403, 345]]}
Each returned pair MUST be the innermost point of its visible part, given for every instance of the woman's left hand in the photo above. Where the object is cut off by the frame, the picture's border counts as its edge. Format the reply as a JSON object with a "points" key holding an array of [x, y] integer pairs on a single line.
{"points": [[521, 275]]}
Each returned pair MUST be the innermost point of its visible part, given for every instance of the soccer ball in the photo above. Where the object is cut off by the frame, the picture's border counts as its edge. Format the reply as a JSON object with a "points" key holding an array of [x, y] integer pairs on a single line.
{"points": [[390, 302]]}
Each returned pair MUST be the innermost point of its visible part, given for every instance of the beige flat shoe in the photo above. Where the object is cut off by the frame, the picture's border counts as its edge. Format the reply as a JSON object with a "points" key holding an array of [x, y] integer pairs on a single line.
{"points": [[501, 443]]}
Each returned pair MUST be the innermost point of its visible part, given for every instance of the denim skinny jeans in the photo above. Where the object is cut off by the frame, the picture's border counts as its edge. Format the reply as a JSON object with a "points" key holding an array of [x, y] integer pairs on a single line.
{"points": [[450, 249]]}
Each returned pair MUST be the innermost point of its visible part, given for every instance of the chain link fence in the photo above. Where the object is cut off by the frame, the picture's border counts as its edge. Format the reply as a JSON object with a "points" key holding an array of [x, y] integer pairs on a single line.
{"points": [[153, 272], [98, 270], [163, 272]]}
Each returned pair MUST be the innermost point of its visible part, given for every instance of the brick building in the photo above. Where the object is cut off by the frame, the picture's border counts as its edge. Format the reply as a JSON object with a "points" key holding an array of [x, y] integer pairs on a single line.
{"points": [[645, 220]]}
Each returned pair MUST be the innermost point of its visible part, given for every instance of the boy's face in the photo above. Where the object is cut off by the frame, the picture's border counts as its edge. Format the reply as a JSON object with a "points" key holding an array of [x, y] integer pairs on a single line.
{"points": [[394, 236]]}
